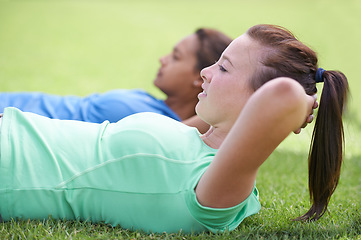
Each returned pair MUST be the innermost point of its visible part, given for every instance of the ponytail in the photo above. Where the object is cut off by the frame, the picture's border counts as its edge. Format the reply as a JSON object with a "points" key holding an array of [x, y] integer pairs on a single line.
{"points": [[285, 56], [327, 144]]}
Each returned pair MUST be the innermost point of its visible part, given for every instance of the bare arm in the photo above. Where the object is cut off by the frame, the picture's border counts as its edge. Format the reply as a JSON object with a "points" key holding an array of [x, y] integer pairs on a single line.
{"points": [[269, 116]]}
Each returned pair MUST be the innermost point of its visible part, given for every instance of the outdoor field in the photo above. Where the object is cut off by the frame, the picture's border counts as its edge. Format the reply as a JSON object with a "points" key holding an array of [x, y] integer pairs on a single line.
{"points": [[79, 47]]}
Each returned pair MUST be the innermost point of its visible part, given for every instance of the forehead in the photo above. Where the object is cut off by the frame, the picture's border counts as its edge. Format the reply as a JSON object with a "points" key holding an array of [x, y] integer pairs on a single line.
{"points": [[243, 50], [188, 45]]}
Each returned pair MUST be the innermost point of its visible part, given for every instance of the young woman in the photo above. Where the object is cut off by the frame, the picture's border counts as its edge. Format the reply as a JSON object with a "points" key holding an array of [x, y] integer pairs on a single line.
{"points": [[178, 78], [149, 172]]}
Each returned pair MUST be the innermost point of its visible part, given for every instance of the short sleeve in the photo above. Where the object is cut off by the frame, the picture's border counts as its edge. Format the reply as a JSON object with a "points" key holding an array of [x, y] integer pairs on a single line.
{"points": [[222, 219]]}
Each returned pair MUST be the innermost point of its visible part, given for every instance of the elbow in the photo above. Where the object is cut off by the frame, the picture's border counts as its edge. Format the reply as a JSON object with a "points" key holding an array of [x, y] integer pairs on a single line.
{"points": [[288, 90], [289, 96]]}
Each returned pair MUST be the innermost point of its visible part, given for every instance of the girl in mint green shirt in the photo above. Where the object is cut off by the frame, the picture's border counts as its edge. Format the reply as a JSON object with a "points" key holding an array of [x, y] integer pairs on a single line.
{"points": [[149, 172], [130, 173]]}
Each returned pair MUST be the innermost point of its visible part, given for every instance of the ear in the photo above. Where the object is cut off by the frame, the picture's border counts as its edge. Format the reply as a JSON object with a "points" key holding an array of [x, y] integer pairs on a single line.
{"points": [[198, 82]]}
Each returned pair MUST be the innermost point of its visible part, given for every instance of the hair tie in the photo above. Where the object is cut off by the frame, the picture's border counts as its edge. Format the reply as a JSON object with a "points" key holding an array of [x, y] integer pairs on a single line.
{"points": [[319, 74]]}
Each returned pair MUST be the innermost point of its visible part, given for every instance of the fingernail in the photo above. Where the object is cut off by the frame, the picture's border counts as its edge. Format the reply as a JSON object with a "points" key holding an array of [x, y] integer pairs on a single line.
{"points": [[315, 105]]}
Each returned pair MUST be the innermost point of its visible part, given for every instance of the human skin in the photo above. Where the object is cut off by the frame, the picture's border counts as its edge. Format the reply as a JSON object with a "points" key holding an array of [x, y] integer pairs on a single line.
{"points": [[178, 77], [246, 126]]}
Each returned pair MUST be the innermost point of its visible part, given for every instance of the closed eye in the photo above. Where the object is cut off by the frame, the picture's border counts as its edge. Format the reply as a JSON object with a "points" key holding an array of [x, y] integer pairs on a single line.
{"points": [[222, 68], [175, 56]]}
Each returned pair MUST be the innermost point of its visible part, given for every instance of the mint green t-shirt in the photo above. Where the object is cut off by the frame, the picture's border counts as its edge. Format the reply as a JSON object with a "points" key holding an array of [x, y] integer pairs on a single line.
{"points": [[139, 173]]}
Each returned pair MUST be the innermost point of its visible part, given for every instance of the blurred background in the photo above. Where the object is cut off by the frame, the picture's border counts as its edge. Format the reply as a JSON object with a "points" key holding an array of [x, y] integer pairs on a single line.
{"points": [[79, 47]]}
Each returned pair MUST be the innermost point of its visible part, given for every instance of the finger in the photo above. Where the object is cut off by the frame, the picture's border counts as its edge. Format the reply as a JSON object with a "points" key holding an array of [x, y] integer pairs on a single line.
{"points": [[297, 131], [309, 119], [315, 105], [310, 101]]}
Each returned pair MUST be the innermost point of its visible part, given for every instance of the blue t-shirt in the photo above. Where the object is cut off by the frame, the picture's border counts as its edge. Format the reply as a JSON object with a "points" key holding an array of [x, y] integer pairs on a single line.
{"points": [[112, 105]]}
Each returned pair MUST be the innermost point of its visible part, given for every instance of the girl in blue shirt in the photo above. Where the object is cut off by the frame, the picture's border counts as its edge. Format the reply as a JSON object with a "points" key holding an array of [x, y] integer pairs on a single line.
{"points": [[178, 77]]}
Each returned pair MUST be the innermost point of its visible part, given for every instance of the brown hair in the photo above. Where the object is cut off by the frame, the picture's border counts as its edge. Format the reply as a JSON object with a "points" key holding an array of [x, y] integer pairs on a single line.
{"points": [[285, 56], [212, 43]]}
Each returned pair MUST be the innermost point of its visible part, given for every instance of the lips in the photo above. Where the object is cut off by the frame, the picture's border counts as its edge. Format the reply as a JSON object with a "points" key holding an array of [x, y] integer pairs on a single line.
{"points": [[202, 94]]}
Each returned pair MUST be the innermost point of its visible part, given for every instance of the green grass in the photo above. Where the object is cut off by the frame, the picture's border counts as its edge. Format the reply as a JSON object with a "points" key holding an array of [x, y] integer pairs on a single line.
{"points": [[80, 47]]}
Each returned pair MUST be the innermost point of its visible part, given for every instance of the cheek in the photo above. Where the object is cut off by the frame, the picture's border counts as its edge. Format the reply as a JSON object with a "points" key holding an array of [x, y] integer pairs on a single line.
{"points": [[233, 96], [223, 90], [185, 74], [186, 70]]}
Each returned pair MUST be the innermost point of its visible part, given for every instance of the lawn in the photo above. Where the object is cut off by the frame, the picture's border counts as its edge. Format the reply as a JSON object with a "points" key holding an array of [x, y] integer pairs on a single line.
{"points": [[78, 47]]}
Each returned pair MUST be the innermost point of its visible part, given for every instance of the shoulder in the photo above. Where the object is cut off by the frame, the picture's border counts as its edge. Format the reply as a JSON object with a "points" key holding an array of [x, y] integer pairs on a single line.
{"points": [[158, 132], [155, 123], [119, 93]]}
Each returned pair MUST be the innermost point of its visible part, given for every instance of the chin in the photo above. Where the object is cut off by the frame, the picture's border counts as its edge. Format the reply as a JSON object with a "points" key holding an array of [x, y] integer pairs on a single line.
{"points": [[197, 109], [156, 82]]}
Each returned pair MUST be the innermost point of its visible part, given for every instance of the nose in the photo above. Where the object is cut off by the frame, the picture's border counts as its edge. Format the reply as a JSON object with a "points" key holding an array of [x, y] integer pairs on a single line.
{"points": [[206, 74], [163, 60]]}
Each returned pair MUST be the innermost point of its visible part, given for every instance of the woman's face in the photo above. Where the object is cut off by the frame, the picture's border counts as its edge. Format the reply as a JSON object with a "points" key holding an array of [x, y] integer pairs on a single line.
{"points": [[178, 74], [226, 83]]}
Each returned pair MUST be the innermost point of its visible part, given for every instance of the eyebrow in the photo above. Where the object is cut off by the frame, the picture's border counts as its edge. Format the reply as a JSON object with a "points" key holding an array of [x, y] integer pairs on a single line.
{"points": [[227, 58], [175, 49]]}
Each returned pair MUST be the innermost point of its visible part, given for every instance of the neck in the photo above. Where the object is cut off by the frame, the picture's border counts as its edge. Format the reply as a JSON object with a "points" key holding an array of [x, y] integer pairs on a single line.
{"points": [[182, 107], [214, 137]]}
